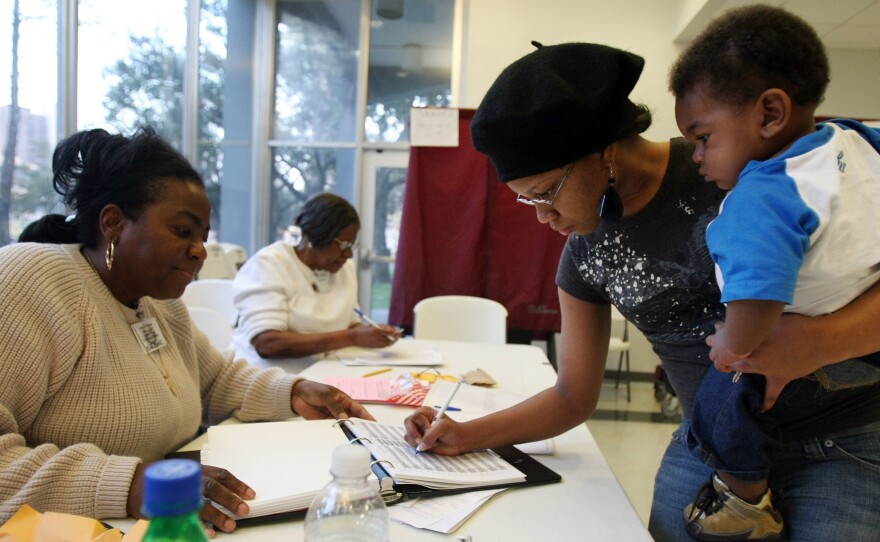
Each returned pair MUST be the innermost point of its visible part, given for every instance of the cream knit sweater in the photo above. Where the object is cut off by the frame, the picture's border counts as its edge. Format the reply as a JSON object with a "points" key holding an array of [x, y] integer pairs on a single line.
{"points": [[81, 404]]}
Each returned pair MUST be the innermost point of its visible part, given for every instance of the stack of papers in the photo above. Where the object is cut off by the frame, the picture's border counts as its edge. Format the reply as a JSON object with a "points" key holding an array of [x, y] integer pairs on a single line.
{"points": [[440, 514], [400, 354], [286, 463]]}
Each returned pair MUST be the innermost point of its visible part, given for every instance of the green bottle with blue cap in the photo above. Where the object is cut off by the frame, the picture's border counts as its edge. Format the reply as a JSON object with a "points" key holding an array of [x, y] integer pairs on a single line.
{"points": [[172, 500]]}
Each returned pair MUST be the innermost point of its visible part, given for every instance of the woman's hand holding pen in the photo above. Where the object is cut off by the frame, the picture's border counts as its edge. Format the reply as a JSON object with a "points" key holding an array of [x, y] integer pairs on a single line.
{"points": [[390, 333], [218, 486], [378, 336], [442, 437]]}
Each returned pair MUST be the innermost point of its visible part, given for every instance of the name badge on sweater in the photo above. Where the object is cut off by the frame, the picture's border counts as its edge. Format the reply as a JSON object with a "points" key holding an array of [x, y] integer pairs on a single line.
{"points": [[322, 282], [149, 335]]}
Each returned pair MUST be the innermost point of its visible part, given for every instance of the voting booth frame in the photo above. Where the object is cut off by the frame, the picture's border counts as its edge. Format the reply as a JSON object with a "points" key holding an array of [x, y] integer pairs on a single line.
{"points": [[462, 233]]}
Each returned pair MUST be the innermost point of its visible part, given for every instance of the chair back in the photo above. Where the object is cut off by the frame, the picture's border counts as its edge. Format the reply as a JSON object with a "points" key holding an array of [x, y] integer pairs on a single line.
{"points": [[215, 294], [214, 325], [216, 265], [236, 255], [460, 318]]}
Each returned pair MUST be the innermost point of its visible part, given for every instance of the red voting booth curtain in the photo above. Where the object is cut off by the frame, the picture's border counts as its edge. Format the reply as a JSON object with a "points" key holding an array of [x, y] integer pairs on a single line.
{"points": [[463, 233]]}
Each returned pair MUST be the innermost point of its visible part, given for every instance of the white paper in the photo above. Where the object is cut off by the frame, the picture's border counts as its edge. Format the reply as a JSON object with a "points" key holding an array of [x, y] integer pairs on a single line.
{"points": [[286, 463], [397, 355], [440, 514], [433, 127]]}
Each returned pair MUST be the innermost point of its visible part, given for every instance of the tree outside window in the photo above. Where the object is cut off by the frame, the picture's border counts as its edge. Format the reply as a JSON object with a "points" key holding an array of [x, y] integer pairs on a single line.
{"points": [[27, 114]]}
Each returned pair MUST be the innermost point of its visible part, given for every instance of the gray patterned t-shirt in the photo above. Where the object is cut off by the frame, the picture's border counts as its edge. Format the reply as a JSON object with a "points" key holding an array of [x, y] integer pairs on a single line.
{"points": [[655, 268]]}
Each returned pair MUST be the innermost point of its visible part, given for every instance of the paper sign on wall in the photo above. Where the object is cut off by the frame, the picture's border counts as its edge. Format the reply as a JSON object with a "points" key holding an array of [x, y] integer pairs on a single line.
{"points": [[433, 127]]}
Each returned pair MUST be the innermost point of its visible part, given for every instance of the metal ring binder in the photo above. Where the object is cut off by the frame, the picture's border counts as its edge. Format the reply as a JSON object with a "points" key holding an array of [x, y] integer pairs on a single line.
{"points": [[358, 439], [391, 496], [337, 422], [382, 461]]}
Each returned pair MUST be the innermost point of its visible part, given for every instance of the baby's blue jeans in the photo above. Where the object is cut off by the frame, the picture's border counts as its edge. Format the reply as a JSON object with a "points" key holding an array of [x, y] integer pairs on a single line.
{"points": [[728, 431]]}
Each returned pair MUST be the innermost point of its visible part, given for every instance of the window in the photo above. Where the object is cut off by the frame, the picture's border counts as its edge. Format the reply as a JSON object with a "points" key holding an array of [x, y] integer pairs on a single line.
{"points": [[316, 90], [298, 173], [314, 133], [131, 64], [28, 71], [410, 64], [272, 101], [327, 124], [211, 99]]}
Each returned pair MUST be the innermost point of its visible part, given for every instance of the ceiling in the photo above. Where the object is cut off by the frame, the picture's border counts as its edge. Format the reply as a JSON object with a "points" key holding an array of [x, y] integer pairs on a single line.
{"points": [[842, 24]]}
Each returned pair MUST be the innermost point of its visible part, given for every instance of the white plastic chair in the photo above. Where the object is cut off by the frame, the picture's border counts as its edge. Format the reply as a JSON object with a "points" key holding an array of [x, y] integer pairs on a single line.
{"points": [[216, 265], [621, 344], [214, 294], [236, 255], [214, 325], [460, 318]]}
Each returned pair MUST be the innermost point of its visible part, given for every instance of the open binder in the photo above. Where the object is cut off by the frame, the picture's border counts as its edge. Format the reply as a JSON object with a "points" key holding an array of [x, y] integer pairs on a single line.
{"points": [[287, 463], [484, 469]]}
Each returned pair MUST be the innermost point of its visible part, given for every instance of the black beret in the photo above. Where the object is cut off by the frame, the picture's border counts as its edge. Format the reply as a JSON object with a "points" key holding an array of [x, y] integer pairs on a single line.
{"points": [[555, 105]]}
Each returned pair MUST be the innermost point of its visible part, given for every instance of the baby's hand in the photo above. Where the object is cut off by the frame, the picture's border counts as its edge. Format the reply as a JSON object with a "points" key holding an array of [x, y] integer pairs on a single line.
{"points": [[720, 354]]}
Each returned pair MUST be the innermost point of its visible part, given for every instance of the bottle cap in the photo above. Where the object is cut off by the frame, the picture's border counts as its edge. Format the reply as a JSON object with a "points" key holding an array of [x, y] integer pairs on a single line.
{"points": [[350, 461], [172, 487]]}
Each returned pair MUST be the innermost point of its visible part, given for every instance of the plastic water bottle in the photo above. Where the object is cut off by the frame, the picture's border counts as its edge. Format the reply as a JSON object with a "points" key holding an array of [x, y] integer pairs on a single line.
{"points": [[349, 508], [172, 500]]}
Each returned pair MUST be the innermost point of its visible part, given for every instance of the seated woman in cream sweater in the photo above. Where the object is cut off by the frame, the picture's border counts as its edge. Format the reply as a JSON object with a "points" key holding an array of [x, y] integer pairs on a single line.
{"points": [[101, 369]]}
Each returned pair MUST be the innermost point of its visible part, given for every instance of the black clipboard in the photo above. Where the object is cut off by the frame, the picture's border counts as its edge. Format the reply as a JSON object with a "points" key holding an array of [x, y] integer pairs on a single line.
{"points": [[536, 474]]}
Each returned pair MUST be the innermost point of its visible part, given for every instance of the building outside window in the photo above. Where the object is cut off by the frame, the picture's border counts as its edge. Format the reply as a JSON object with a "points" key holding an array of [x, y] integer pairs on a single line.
{"points": [[28, 102]]}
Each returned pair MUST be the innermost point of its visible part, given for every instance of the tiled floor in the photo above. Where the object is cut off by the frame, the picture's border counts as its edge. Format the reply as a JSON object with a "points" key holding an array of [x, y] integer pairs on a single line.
{"points": [[632, 437]]}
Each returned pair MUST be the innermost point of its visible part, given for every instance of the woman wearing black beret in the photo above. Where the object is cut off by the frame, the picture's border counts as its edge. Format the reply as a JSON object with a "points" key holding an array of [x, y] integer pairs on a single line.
{"points": [[563, 134]]}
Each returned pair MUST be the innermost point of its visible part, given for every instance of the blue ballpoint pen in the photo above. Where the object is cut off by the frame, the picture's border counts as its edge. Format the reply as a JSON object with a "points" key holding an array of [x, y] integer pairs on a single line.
{"points": [[365, 318], [370, 321]]}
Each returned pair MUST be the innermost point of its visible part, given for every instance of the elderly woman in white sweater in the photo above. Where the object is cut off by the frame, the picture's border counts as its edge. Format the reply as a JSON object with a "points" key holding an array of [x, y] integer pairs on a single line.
{"points": [[296, 302], [101, 369]]}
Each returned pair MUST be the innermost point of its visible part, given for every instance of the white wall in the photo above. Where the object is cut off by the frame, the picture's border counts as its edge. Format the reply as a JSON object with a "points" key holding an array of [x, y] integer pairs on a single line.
{"points": [[855, 85], [497, 32]]}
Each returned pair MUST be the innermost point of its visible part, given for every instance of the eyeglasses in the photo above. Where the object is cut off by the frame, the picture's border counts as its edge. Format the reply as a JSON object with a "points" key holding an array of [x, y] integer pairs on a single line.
{"points": [[542, 198], [344, 245]]}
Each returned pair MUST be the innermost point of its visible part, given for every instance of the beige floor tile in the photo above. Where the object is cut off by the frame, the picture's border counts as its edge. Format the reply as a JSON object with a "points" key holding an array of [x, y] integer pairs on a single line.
{"points": [[633, 449]]}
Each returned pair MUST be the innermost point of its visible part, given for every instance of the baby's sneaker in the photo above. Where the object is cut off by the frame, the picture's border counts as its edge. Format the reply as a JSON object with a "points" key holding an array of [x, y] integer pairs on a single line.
{"points": [[718, 514]]}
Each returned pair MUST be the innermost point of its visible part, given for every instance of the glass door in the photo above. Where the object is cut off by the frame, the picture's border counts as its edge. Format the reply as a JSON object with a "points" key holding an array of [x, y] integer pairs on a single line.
{"points": [[381, 205]]}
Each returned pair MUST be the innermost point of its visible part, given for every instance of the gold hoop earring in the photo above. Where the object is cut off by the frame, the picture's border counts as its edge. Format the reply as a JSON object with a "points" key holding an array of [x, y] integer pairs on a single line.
{"points": [[110, 255]]}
